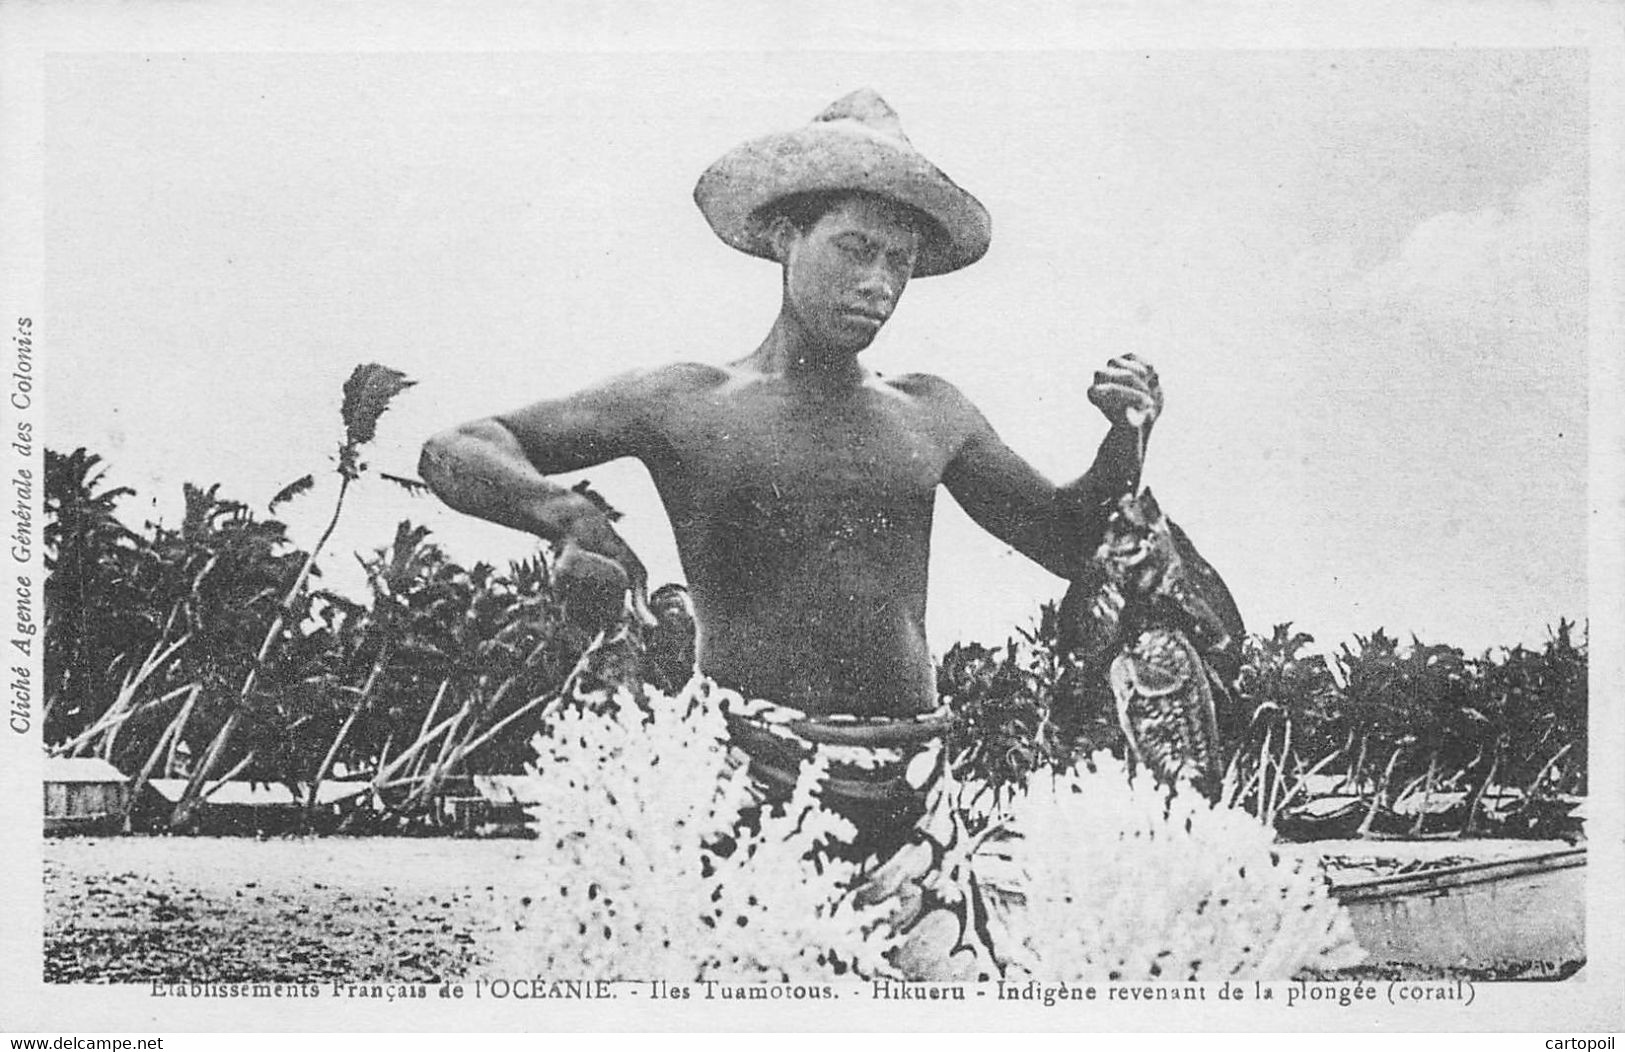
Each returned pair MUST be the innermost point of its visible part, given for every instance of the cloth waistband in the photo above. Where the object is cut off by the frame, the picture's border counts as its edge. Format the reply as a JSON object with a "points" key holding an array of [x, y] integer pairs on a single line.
{"points": [[874, 759]]}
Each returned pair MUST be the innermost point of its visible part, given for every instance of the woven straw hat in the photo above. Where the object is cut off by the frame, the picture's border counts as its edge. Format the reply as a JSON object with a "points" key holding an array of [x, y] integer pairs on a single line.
{"points": [[855, 144]]}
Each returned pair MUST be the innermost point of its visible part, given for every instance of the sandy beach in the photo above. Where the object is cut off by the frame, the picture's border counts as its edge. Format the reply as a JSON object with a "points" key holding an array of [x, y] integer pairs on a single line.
{"points": [[133, 909]]}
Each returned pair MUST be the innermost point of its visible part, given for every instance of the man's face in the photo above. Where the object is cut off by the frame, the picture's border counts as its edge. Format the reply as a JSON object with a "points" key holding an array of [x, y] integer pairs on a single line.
{"points": [[843, 276]]}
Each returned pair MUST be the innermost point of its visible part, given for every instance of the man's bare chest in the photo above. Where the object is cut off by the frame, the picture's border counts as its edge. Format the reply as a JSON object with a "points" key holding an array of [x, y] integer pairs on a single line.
{"points": [[866, 449]]}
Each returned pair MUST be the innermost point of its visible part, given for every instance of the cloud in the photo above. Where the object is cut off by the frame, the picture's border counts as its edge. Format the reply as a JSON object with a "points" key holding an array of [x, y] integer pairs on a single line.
{"points": [[1519, 266], [1489, 249]]}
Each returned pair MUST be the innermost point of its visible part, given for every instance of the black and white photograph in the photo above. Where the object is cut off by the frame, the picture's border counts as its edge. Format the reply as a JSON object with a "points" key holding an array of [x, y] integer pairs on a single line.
{"points": [[601, 522]]}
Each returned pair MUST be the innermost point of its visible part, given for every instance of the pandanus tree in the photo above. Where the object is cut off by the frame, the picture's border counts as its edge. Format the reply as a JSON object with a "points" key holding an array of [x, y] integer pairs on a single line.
{"points": [[472, 657], [1371, 679], [367, 394], [180, 610], [1553, 717], [1003, 731], [1536, 707], [1286, 727], [94, 619], [1024, 707], [1435, 693], [1399, 701]]}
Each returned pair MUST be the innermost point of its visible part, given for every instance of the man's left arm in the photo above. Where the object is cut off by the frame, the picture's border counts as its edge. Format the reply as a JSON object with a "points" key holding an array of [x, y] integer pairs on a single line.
{"points": [[1057, 526]]}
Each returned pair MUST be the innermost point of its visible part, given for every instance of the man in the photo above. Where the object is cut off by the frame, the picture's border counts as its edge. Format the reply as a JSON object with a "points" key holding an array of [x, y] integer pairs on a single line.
{"points": [[798, 480]]}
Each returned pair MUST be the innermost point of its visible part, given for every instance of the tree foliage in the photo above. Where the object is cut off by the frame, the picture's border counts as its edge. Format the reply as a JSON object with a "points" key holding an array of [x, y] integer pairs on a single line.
{"points": [[1431, 741]]}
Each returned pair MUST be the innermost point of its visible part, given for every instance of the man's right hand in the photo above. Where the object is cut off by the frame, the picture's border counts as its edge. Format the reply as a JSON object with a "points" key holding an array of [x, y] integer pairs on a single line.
{"points": [[593, 586], [1128, 392], [595, 582]]}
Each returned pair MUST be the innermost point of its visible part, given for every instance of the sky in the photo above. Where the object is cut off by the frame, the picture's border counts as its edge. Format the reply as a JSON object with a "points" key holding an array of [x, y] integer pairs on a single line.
{"points": [[1362, 275]]}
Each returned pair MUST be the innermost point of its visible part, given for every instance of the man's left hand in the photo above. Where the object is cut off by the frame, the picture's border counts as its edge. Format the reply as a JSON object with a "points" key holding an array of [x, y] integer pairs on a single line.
{"points": [[1128, 393]]}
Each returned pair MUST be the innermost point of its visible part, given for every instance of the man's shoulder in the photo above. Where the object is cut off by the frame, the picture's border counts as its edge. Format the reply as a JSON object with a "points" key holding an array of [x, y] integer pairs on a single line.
{"points": [[674, 380], [932, 391]]}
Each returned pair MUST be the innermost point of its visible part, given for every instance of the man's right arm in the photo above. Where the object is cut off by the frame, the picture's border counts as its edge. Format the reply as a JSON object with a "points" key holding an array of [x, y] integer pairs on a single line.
{"points": [[496, 468]]}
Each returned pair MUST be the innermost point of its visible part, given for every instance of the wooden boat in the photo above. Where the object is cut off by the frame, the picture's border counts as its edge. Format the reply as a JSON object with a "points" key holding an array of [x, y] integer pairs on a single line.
{"points": [[1520, 908]]}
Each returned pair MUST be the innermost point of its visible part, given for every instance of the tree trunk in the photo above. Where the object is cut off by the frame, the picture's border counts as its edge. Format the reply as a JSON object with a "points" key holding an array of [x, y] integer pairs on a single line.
{"points": [[1427, 795], [344, 732], [1357, 772], [1380, 792], [1477, 798], [187, 806], [165, 741]]}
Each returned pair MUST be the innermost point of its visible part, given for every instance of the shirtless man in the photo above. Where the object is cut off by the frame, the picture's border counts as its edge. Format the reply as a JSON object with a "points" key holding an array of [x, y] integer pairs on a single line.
{"points": [[799, 481]]}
